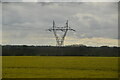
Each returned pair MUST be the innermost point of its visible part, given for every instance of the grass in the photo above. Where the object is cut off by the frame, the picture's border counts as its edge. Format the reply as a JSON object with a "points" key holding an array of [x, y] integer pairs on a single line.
{"points": [[59, 67]]}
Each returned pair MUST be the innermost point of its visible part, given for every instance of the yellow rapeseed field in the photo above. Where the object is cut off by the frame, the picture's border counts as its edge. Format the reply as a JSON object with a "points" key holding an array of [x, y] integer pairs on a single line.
{"points": [[59, 67]]}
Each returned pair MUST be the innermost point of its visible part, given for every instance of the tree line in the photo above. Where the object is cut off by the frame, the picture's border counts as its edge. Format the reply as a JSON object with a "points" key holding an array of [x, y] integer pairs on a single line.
{"points": [[24, 50]]}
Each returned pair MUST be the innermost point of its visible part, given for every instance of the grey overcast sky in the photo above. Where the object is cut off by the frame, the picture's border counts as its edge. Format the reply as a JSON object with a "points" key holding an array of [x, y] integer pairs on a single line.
{"points": [[60, 0], [96, 23]]}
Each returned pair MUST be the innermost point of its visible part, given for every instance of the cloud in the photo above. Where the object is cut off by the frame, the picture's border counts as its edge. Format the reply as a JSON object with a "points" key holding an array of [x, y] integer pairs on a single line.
{"points": [[12, 0], [0, 23], [92, 41], [26, 23], [60, 0]]}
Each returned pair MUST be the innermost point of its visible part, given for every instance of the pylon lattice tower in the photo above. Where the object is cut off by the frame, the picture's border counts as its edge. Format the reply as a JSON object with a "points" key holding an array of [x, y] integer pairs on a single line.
{"points": [[54, 29]]}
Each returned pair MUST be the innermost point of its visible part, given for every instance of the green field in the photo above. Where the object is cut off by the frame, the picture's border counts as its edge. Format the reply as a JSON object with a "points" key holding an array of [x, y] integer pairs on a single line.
{"points": [[59, 67]]}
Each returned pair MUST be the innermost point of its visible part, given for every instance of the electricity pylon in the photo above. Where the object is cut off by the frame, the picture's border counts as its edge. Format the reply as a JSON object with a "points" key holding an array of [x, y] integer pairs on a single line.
{"points": [[54, 29]]}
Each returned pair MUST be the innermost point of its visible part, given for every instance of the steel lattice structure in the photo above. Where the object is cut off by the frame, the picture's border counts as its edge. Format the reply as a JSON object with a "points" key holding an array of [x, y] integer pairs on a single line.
{"points": [[54, 29]]}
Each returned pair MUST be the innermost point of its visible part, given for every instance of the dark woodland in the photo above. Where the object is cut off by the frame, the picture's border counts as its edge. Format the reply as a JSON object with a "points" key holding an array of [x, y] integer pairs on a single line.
{"points": [[24, 50]]}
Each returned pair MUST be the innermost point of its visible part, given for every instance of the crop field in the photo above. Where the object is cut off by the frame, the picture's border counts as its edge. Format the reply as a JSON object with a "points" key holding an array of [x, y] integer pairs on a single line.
{"points": [[59, 67]]}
